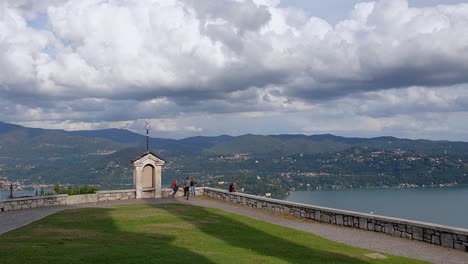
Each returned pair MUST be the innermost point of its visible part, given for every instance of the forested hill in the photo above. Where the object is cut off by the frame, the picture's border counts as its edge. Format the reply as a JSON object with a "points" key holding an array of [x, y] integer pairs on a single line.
{"points": [[275, 163], [279, 144]]}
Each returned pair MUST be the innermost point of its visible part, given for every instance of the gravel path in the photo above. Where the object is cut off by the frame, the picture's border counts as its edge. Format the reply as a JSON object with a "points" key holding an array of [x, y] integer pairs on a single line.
{"points": [[355, 237], [13, 219]]}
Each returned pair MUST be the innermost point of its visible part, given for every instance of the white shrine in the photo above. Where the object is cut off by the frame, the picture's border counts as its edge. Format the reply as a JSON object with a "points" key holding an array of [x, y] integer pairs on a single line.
{"points": [[147, 176], [147, 173]]}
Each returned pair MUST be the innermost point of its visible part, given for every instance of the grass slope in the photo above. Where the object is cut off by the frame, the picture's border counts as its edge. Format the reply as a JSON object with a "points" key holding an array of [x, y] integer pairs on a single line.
{"points": [[169, 234]]}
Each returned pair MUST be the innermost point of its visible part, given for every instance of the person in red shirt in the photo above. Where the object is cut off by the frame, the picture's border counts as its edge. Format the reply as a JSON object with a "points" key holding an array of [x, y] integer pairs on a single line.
{"points": [[174, 187]]}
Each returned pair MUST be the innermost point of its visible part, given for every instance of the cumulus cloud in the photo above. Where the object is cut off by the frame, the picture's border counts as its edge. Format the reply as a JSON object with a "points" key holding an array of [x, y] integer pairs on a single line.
{"points": [[119, 61]]}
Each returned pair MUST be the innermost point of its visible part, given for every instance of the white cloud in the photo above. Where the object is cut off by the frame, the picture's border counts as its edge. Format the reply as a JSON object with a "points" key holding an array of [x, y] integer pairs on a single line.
{"points": [[95, 60]]}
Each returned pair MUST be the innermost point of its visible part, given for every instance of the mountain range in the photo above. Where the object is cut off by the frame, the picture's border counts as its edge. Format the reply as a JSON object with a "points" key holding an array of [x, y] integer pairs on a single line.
{"points": [[103, 157]]}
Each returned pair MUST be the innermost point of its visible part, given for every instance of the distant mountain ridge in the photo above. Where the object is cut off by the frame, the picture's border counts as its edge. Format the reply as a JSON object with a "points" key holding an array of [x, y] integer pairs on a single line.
{"points": [[103, 157], [127, 137], [225, 144]]}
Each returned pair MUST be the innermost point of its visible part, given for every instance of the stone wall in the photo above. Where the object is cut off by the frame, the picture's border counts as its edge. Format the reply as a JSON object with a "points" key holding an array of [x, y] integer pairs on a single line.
{"points": [[446, 236], [82, 198], [32, 202], [168, 192], [101, 196], [64, 199], [104, 196]]}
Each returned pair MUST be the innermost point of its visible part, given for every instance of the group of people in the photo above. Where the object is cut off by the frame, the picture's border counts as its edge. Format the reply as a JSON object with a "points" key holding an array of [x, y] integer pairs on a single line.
{"points": [[188, 187]]}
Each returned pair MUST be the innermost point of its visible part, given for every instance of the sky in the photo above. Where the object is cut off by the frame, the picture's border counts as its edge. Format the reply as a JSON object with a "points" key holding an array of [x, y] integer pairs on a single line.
{"points": [[211, 67]]}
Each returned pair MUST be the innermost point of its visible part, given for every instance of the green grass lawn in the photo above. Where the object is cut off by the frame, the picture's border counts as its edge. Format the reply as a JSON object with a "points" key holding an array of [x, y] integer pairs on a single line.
{"points": [[169, 234]]}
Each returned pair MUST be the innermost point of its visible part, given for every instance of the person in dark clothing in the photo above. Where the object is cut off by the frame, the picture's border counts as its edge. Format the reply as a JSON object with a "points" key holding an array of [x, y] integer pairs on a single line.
{"points": [[192, 186], [233, 187], [186, 187]]}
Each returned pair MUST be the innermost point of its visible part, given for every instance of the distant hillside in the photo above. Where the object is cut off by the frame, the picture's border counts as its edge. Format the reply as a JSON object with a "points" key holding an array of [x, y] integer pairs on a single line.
{"points": [[117, 135], [279, 145], [301, 144], [192, 144], [249, 144], [13, 134], [274, 163], [48, 155], [201, 143]]}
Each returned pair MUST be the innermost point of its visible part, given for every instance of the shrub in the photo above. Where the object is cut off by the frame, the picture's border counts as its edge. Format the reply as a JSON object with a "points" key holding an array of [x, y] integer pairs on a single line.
{"points": [[75, 190]]}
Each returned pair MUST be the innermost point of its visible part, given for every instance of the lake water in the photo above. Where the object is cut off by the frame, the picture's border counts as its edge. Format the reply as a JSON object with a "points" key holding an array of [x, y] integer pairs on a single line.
{"points": [[446, 206], [5, 194]]}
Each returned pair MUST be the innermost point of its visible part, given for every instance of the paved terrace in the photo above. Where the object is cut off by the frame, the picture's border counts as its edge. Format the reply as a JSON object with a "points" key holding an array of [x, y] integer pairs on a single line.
{"points": [[355, 237]]}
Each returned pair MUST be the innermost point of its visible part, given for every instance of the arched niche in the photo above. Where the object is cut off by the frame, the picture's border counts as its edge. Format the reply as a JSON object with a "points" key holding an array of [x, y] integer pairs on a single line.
{"points": [[147, 176]]}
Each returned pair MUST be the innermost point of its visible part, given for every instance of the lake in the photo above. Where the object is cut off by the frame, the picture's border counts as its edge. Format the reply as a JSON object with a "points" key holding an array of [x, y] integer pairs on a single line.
{"points": [[446, 206], [5, 194]]}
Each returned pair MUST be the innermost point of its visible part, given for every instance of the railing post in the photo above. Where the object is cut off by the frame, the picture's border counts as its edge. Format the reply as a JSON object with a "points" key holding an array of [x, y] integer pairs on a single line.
{"points": [[11, 190]]}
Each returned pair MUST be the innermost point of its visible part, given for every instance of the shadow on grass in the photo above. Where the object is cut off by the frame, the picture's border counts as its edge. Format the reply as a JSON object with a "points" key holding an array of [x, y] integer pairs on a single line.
{"points": [[90, 235], [172, 233], [241, 235]]}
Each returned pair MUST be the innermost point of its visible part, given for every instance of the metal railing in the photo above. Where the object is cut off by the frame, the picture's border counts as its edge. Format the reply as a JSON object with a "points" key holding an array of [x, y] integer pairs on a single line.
{"points": [[11, 193]]}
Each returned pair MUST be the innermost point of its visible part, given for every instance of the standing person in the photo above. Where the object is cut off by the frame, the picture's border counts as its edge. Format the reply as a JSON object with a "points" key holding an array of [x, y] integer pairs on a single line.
{"points": [[233, 187], [186, 187], [192, 185], [174, 187]]}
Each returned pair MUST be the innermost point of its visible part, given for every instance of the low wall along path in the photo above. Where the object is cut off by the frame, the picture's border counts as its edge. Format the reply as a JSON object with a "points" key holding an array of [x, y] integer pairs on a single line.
{"points": [[450, 237], [65, 199]]}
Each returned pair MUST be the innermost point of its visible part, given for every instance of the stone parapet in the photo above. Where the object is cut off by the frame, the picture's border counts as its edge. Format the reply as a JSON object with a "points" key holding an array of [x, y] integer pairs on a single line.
{"points": [[32, 202], [446, 236], [100, 196], [168, 192], [82, 198], [64, 199], [104, 196]]}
